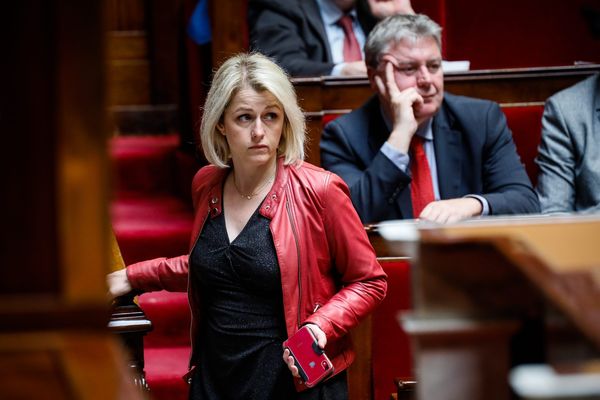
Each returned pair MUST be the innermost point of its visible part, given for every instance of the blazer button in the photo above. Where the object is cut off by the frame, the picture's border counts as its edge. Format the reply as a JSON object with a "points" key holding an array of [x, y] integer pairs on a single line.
{"points": [[267, 207], [215, 211], [214, 200]]}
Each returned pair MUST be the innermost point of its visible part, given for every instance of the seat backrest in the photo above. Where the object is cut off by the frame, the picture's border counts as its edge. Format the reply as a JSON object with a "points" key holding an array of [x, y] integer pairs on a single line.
{"points": [[392, 356], [525, 122], [382, 347]]}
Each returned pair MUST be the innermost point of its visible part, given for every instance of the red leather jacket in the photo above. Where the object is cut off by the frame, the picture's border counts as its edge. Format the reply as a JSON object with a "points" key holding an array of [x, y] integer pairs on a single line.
{"points": [[329, 272]]}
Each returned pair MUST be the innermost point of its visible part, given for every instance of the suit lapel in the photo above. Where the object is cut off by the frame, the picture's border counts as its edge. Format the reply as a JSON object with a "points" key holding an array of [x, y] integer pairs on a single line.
{"points": [[447, 143], [313, 18], [378, 130]]}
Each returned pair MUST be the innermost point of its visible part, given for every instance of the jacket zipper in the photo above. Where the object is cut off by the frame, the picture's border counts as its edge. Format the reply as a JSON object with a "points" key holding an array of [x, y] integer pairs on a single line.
{"points": [[295, 232]]}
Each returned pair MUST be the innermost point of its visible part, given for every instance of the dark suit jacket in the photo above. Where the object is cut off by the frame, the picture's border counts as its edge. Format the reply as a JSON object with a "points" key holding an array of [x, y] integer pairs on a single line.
{"points": [[474, 151], [292, 32]]}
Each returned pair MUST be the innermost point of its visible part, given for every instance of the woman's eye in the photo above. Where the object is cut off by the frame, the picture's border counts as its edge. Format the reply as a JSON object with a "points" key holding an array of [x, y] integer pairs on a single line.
{"points": [[271, 116], [244, 118]]}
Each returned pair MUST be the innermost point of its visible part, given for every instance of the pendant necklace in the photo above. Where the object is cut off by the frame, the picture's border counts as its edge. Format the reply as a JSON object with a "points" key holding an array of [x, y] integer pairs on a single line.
{"points": [[253, 194]]}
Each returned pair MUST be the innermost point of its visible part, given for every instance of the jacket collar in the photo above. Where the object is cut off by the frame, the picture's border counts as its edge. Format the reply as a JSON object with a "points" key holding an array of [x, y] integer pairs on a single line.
{"points": [[269, 205], [447, 142]]}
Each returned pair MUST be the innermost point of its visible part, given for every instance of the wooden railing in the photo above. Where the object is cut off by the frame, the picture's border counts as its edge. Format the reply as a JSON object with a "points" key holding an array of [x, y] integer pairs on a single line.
{"points": [[129, 322], [327, 95]]}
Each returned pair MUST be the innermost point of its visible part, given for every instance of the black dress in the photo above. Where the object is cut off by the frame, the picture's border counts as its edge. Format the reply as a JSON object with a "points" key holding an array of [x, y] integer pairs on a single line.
{"points": [[242, 326]]}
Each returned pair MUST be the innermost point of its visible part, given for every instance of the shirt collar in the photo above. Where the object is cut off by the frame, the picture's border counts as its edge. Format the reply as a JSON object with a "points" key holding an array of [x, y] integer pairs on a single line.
{"points": [[331, 13]]}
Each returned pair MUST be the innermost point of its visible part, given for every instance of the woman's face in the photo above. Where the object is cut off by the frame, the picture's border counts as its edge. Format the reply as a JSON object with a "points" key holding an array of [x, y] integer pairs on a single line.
{"points": [[252, 125]]}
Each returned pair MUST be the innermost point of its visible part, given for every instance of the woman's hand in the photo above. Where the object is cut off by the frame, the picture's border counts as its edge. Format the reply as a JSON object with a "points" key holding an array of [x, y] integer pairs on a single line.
{"points": [[321, 341], [118, 283]]}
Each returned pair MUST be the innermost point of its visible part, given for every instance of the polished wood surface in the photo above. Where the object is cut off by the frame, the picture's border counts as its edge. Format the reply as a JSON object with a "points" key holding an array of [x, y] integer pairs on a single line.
{"points": [[360, 379], [54, 343], [507, 289]]}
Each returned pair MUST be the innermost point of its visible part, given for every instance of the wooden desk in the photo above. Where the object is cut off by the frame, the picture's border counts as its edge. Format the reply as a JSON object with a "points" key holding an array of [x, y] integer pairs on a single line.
{"points": [[322, 96], [479, 284]]}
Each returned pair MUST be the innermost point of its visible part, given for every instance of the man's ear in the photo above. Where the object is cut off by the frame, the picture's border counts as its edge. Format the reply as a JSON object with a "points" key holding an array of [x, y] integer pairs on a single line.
{"points": [[371, 72]]}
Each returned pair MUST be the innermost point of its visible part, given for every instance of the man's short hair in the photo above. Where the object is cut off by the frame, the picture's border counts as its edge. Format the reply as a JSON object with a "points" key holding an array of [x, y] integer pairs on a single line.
{"points": [[395, 28]]}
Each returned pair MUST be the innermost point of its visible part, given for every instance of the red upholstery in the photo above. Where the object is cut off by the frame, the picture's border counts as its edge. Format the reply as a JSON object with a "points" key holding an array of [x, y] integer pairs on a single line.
{"points": [[328, 117], [391, 348], [151, 215], [516, 33], [525, 122], [167, 347]]}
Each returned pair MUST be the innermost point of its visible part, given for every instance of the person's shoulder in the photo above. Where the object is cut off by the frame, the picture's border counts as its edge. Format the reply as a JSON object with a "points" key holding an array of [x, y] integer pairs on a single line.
{"points": [[311, 175], [306, 171], [362, 113], [576, 91], [466, 108], [207, 175], [462, 101]]}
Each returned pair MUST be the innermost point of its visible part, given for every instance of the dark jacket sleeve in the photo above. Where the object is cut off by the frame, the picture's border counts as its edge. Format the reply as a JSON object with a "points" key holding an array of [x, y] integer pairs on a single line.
{"points": [[374, 181], [279, 29]]}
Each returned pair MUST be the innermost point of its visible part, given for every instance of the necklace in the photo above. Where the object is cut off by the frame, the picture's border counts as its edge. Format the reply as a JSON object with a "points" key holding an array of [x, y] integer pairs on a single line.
{"points": [[249, 196]]}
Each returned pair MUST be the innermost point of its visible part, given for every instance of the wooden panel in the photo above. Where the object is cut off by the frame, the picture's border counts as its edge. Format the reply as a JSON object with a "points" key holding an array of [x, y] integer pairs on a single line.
{"points": [[545, 238], [360, 380], [127, 45], [29, 244], [230, 29], [79, 365], [488, 281], [129, 82], [125, 15], [54, 342]]}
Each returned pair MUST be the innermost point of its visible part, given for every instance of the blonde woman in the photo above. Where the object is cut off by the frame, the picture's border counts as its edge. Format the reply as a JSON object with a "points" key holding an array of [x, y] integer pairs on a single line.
{"points": [[276, 245]]}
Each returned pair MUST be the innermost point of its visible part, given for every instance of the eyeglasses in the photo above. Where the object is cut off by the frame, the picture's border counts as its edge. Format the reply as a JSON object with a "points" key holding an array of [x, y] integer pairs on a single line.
{"points": [[409, 68]]}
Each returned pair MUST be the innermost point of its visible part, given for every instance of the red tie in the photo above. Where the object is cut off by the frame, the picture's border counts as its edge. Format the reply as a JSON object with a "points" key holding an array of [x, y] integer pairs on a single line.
{"points": [[421, 187], [351, 48]]}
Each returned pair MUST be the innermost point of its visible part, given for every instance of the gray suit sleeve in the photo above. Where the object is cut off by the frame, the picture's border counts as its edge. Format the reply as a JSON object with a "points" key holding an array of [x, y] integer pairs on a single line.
{"points": [[556, 180]]}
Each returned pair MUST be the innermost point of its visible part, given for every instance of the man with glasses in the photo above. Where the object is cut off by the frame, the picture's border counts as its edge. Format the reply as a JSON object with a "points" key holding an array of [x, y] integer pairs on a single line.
{"points": [[413, 151]]}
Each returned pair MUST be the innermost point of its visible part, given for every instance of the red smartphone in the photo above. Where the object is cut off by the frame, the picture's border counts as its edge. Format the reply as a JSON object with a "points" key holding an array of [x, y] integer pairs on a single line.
{"points": [[311, 360]]}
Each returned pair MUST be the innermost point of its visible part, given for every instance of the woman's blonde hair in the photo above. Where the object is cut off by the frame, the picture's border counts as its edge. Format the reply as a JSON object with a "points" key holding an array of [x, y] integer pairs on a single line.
{"points": [[260, 73]]}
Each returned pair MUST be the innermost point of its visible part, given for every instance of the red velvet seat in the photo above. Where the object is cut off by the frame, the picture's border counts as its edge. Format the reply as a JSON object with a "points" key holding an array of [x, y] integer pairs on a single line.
{"points": [[167, 346], [525, 122], [151, 215], [391, 356]]}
